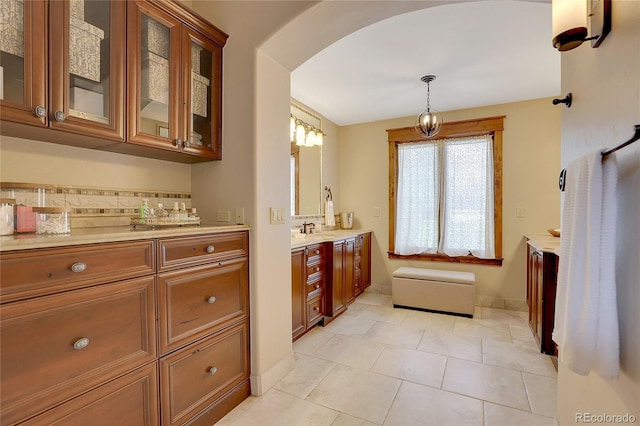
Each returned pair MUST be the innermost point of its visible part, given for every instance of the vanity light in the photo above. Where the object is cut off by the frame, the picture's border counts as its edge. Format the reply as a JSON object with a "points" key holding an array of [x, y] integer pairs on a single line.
{"points": [[570, 22], [304, 134], [429, 122]]}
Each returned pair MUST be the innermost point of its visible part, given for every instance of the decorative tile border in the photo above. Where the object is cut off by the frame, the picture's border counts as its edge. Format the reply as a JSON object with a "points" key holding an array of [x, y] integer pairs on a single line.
{"points": [[88, 201]]}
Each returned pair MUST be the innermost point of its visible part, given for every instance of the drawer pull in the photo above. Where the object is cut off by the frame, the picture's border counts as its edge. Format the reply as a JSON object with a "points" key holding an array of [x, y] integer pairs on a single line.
{"points": [[317, 251], [210, 249], [315, 308], [81, 343], [212, 371], [78, 267], [211, 299], [317, 268], [317, 285]]}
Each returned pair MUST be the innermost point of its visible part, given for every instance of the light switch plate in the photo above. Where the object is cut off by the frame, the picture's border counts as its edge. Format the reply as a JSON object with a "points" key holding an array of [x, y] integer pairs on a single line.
{"points": [[223, 216], [276, 215], [240, 215]]}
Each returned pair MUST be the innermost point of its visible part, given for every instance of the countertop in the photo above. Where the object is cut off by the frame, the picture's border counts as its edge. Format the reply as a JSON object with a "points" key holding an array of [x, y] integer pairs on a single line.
{"points": [[106, 235], [545, 242], [326, 237]]}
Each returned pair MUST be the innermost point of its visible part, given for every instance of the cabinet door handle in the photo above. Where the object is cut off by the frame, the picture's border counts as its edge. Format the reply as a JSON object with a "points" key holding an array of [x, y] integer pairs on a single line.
{"points": [[40, 111], [212, 370], [81, 343], [58, 115], [211, 249], [78, 267], [211, 300]]}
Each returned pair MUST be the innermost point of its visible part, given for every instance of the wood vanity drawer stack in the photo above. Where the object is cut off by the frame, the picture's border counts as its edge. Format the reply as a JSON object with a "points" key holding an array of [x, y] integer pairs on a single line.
{"points": [[203, 313], [72, 320], [316, 273]]}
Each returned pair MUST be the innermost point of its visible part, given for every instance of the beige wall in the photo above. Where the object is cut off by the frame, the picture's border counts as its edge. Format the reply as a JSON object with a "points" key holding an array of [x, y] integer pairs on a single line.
{"points": [[531, 164], [605, 83], [23, 160]]}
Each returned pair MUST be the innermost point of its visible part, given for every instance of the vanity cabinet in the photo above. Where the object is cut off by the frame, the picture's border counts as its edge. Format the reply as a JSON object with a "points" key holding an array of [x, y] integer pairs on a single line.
{"points": [[91, 69], [308, 277], [174, 66], [62, 341], [203, 316], [542, 277], [82, 45], [340, 291], [142, 332]]}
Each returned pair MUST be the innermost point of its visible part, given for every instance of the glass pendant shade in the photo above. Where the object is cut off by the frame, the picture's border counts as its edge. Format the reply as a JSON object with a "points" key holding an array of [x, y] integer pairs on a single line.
{"points": [[311, 138], [569, 22], [319, 138], [429, 122]]}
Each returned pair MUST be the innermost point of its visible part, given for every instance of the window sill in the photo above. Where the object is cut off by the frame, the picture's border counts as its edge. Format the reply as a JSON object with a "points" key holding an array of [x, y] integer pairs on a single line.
{"points": [[445, 258]]}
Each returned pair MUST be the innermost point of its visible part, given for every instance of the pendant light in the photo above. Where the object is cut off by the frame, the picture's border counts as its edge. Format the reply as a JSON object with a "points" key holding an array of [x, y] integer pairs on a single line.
{"points": [[429, 122]]}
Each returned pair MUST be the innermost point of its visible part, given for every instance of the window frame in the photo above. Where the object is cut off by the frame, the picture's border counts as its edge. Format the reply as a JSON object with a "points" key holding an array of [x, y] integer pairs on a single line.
{"points": [[493, 126]]}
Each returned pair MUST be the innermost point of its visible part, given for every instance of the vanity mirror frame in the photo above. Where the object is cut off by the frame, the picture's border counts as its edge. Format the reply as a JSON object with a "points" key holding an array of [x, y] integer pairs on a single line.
{"points": [[296, 185]]}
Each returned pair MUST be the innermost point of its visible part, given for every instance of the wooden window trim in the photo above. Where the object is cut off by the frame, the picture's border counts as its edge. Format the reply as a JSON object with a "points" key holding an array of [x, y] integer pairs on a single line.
{"points": [[493, 126]]}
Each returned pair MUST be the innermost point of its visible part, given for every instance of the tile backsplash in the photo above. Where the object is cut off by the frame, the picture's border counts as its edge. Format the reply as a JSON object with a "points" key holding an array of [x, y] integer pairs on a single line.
{"points": [[91, 206]]}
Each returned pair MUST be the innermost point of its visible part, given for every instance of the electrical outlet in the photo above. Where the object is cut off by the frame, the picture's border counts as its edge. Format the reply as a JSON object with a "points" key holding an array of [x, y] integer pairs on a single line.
{"points": [[223, 216], [240, 215]]}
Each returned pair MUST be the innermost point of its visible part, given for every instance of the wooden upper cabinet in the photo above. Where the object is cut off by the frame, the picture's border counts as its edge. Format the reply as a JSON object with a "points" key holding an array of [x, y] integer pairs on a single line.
{"points": [[174, 60], [87, 67], [23, 57], [76, 66], [83, 90]]}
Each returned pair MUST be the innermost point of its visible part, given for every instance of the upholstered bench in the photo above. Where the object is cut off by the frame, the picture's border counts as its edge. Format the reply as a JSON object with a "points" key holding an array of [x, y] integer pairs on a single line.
{"points": [[434, 290]]}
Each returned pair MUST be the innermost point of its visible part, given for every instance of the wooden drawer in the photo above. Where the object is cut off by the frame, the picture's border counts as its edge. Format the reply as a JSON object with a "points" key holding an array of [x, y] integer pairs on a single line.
{"points": [[315, 253], [315, 289], [130, 400], [315, 310], [315, 268], [43, 361], [195, 302], [190, 251], [37, 272], [195, 377]]}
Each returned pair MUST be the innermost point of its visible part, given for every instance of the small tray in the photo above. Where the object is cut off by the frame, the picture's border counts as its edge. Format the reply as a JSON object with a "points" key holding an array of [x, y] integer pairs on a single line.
{"points": [[146, 224]]}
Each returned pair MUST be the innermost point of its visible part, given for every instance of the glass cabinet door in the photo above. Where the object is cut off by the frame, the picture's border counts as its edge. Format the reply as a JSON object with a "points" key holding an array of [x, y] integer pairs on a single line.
{"points": [[23, 41], [153, 58], [87, 52], [201, 88]]}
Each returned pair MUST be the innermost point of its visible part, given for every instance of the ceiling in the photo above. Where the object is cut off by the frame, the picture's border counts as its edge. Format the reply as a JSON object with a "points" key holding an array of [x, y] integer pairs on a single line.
{"points": [[482, 53]]}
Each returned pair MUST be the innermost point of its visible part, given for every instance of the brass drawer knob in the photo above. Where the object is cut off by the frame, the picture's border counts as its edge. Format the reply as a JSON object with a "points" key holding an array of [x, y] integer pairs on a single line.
{"points": [[317, 251], [212, 370], [315, 308], [211, 249], [317, 268], [211, 299], [317, 285], [78, 267], [81, 343]]}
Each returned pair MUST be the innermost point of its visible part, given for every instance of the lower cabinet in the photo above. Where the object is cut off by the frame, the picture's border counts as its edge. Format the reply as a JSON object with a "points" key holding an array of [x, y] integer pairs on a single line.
{"points": [[542, 278], [326, 278], [167, 348]]}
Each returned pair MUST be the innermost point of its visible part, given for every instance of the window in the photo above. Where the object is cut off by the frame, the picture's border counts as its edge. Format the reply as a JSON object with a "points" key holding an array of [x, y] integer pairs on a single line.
{"points": [[446, 198]]}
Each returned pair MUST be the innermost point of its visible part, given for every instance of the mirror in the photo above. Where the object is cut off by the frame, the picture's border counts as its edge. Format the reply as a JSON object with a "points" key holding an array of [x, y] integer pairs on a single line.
{"points": [[306, 170]]}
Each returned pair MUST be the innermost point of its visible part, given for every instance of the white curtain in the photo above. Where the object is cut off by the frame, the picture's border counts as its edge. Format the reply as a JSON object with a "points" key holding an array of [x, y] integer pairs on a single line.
{"points": [[444, 201], [417, 199], [467, 202]]}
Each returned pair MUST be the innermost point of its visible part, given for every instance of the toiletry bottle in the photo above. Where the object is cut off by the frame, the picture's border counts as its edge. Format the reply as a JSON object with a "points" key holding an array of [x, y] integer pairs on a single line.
{"points": [[161, 214], [144, 209], [175, 213], [184, 216]]}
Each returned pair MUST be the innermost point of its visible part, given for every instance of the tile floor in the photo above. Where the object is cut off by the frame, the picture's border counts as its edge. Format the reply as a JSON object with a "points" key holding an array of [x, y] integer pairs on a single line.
{"points": [[377, 365]]}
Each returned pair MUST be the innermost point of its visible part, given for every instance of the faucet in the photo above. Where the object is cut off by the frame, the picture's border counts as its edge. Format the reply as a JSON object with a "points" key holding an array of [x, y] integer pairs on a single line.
{"points": [[308, 228]]}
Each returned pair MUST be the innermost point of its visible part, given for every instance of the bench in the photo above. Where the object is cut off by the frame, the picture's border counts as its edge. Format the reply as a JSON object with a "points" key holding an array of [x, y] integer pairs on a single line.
{"points": [[434, 290]]}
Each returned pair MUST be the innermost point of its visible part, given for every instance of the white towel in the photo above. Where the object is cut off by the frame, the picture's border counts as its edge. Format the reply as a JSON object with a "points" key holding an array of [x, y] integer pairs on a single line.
{"points": [[586, 317], [329, 216]]}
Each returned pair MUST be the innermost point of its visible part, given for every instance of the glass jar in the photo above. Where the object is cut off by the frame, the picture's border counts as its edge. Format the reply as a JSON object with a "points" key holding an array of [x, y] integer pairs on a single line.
{"points": [[52, 220], [6, 215]]}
